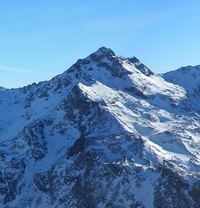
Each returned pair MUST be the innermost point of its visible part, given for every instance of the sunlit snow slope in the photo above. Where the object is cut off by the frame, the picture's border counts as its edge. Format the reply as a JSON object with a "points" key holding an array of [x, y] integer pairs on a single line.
{"points": [[108, 132]]}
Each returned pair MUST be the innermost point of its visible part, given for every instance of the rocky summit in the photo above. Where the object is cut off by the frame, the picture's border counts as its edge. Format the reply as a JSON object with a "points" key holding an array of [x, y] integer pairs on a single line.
{"points": [[107, 133]]}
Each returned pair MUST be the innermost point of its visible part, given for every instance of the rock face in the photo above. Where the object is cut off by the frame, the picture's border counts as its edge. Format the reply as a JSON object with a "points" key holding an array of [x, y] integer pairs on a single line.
{"points": [[108, 132]]}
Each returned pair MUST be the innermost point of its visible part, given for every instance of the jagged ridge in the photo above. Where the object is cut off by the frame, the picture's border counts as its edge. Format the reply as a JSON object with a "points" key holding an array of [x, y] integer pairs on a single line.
{"points": [[108, 132]]}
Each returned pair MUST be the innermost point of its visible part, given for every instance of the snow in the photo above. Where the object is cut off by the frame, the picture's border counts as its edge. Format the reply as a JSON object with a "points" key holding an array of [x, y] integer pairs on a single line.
{"points": [[146, 129]]}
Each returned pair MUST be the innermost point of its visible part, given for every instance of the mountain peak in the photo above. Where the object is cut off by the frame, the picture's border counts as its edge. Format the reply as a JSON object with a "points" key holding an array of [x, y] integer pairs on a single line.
{"points": [[184, 69], [187, 77], [133, 59], [104, 51], [103, 121], [2, 88]]}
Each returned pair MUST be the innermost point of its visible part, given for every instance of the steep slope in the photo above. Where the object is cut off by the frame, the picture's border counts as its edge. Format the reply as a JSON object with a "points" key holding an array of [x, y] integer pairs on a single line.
{"points": [[108, 132], [189, 78]]}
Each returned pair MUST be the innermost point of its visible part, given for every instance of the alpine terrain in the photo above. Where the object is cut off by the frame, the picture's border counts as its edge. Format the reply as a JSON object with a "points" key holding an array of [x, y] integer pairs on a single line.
{"points": [[107, 133]]}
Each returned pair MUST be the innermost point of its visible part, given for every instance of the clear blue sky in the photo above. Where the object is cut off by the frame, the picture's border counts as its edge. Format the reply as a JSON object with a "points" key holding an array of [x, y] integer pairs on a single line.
{"points": [[42, 38]]}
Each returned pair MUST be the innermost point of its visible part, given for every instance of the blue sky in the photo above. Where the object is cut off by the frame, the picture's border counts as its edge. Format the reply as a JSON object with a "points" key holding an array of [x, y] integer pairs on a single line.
{"points": [[40, 39]]}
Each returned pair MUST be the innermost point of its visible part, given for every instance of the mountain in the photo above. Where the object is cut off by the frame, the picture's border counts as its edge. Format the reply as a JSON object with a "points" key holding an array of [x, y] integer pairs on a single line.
{"points": [[108, 132], [189, 78]]}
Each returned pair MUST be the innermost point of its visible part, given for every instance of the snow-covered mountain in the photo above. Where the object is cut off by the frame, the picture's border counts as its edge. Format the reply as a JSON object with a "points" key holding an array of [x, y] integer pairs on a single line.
{"points": [[189, 78], [108, 132]]}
